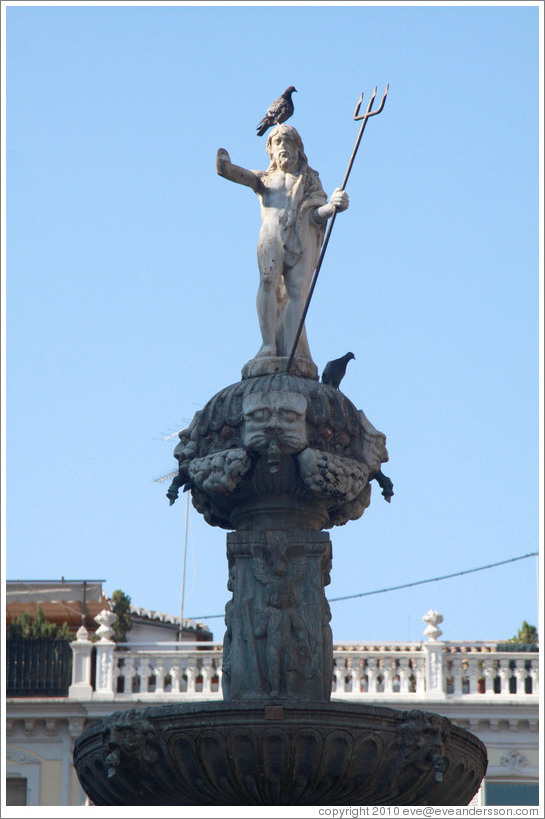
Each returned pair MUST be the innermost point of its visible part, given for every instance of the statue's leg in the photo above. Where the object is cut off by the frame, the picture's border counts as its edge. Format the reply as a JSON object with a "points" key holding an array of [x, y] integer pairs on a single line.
{"points": [[297, 280], [269, 258], [281, 299]]}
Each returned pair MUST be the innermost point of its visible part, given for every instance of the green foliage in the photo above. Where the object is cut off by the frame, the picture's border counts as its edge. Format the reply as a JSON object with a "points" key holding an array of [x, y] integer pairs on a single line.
{"points": [[525, 634], [121, 605], [27, 627], [526, 639]]}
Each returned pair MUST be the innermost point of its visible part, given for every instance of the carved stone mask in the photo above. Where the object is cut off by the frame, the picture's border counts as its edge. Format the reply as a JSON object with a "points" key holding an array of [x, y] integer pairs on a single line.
{"points": [[275, 416]]}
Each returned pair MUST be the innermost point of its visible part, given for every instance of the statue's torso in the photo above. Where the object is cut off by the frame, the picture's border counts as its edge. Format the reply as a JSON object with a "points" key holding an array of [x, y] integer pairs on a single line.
{"points": [[277, 187]]}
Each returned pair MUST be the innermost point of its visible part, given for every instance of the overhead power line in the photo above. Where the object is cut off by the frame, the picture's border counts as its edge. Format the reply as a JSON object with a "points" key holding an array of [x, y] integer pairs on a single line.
{"points": [[432, 579], [403, 585]]}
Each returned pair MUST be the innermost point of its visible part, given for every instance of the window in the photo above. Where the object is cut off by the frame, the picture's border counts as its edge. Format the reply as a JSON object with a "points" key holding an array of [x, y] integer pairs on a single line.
{"points": [[16, 788], [511, 793]]}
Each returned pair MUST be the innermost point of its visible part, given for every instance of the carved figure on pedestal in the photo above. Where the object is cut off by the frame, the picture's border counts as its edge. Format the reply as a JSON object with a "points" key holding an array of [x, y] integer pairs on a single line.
{"points": [[288, 642], [294, 211]]}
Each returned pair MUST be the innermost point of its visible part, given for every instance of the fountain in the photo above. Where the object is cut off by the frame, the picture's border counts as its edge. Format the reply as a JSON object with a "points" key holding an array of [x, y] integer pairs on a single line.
{"points": [[277, 459]]}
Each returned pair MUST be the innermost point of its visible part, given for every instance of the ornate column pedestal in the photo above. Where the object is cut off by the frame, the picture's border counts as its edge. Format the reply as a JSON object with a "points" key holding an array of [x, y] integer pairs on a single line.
{"points": [[278, 642]]}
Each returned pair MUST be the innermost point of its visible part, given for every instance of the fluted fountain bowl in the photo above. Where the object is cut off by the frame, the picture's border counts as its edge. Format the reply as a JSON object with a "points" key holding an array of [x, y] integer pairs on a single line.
{"points": [[278, 753]]}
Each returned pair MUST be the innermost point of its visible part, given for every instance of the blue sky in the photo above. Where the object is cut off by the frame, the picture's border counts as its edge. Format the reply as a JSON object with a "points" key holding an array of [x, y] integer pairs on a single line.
{"points": [[131, 281]]}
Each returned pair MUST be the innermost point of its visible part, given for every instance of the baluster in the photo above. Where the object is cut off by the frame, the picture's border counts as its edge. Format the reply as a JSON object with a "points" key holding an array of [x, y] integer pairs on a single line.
{"points": [[358, 679], [348, 679], [128, 671], [206, 672], [404, 675], [176, 674], [145, 674], [388, 674], [420, 675], [364, 682], [473, 674], [372, 674], [520, 675], [138, 674], [534, 674], [457, 672], [504, 673], [191, 674], [160, 675], [152, 662], [489, 674]]}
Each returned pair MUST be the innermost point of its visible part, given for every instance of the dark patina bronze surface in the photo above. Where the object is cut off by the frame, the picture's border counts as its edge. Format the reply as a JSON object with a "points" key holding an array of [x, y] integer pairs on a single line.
{"points": [[302, 754]]}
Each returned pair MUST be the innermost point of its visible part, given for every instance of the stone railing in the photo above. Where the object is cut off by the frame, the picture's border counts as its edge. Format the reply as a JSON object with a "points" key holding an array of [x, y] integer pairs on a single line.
{"points": [[426, 670], [183, 671], [434, 670]]}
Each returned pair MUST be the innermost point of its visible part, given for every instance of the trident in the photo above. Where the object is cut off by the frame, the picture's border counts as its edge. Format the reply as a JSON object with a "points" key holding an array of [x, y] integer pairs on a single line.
{"points": [[364, 117]]}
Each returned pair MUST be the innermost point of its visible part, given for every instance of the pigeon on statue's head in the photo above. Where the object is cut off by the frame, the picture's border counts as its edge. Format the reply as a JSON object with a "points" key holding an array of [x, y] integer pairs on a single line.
{"points": [[279, 111], [334, 370]]}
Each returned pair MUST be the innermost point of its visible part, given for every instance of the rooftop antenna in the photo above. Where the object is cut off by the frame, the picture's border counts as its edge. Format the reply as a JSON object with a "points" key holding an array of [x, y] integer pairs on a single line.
{"points": [[181, 632], [161, 479]]}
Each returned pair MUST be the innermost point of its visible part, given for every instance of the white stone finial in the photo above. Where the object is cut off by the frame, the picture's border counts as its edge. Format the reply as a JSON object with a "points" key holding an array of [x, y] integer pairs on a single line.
{"points": [[82, 635], [105, 620], [432, 618]]}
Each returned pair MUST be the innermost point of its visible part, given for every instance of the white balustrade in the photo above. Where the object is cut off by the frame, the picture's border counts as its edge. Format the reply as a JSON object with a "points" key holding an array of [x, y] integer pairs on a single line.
{"points": [[176, 671], [491, 673], [384, 673], [408, 671]]}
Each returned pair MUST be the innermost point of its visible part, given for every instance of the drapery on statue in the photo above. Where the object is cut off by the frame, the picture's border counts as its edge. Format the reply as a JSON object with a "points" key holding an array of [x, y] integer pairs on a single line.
{"points": [[294, 212]]}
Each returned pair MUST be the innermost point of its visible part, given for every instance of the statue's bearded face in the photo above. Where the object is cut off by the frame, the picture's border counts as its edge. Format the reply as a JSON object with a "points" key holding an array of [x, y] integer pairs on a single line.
{"points": [[275, 416], [284, 151]]}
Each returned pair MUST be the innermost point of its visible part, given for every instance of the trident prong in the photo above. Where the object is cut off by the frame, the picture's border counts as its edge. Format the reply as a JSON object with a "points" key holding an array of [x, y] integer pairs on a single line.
{"points": [[369, 112], [363, 119]]}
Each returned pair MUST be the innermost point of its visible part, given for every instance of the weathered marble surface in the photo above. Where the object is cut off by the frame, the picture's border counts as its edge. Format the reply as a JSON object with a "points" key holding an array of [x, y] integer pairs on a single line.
{"points": [[294, 211], [257, 753], [279, 451]]}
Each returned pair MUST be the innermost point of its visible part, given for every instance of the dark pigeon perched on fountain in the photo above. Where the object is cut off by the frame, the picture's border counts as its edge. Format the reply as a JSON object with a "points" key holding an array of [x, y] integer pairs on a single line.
{"points": [[334, 370]]}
